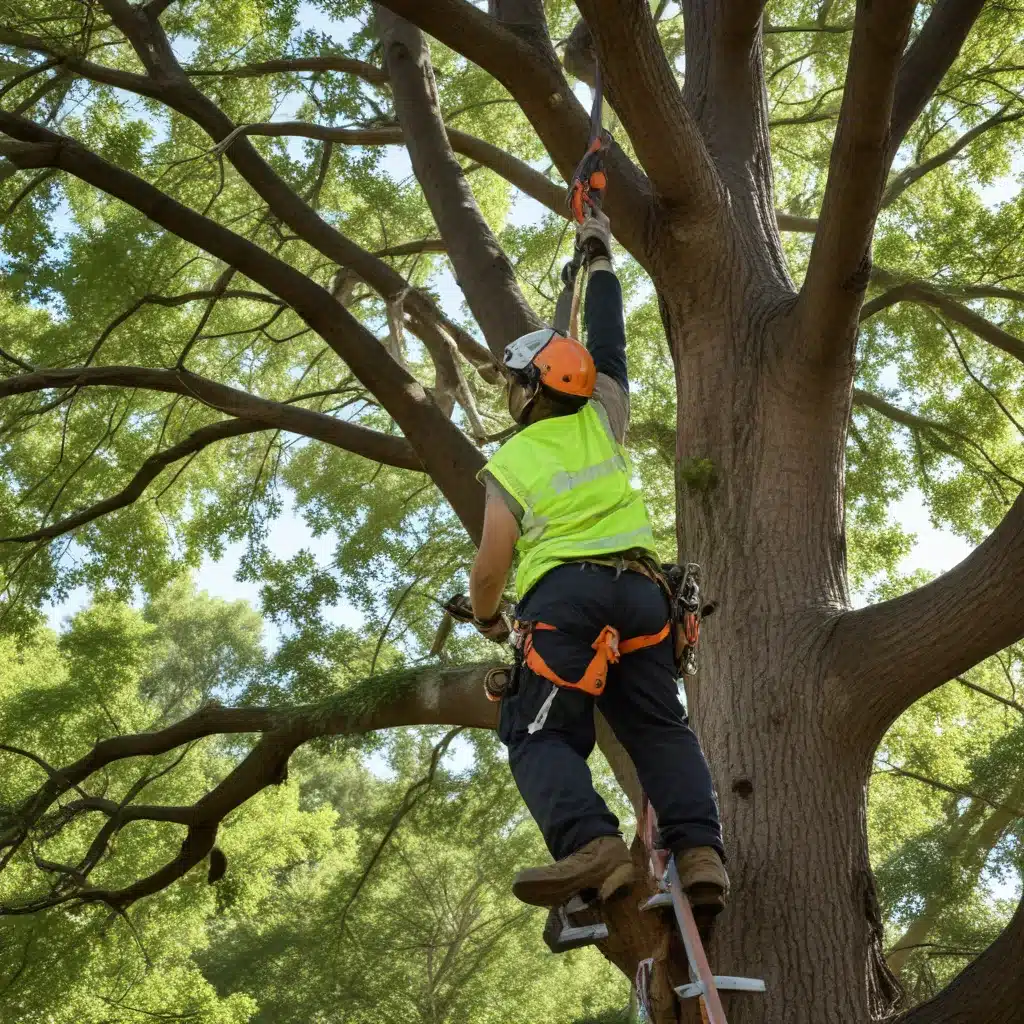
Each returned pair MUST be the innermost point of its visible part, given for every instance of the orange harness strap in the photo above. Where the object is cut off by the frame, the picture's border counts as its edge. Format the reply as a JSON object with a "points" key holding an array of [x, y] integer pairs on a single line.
{"points": [[608, 647]]}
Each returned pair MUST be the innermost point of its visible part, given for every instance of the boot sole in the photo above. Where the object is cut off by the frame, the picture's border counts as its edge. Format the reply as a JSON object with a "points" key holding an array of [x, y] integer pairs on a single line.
{"points": [[708, 897]]}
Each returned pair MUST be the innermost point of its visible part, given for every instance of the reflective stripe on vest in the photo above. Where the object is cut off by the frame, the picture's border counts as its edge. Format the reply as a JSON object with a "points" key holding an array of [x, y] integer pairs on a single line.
{"points": [[574, 483]]}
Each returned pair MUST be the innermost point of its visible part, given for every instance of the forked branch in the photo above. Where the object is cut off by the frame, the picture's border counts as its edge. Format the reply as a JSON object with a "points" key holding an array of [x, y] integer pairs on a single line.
{"points": [[428, 696], [527, 66], [445, 452]]}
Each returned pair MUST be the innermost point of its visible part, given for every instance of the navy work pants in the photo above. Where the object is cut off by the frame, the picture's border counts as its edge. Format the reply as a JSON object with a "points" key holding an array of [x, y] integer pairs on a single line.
{"points": [[640, 702]]}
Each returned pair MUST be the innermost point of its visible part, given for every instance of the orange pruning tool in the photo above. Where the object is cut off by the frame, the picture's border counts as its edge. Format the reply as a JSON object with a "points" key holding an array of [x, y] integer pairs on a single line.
{"points": [[589, 179]]}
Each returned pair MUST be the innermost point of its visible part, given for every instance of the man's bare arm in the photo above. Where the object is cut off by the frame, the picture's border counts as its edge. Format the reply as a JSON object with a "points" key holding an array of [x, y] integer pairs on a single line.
{"points": [[493, 560]]}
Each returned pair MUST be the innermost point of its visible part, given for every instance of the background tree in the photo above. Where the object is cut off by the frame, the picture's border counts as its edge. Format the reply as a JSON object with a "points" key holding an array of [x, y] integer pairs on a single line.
{"points": [[347, 888], [178, 293]]}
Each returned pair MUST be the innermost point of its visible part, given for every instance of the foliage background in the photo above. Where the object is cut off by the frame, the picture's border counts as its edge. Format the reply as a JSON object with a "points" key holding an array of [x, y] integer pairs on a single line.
{"points": [[344, 562]]}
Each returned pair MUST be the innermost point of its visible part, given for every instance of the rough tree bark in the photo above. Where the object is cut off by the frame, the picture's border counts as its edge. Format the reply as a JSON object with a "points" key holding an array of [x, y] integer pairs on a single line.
{"points": [[795, 689]]}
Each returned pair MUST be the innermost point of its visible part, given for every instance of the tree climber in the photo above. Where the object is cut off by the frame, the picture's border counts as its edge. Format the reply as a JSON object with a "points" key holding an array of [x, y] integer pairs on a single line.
{"points": [[560, 496]]}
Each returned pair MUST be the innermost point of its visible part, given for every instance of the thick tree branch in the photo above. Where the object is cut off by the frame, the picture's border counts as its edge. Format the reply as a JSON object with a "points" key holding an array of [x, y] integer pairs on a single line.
{"points": [[526, 64], [926, 62], [837, 274], [924, 293], [725, 89], [259, 413], [483, 270], [888, 655], [647, 99], [446, 453], [988, 991], [428, 696]]}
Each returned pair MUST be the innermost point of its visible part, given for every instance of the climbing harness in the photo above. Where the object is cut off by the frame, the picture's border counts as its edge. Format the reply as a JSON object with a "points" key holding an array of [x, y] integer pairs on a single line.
{"points": [[586, 192], [608, 647]]}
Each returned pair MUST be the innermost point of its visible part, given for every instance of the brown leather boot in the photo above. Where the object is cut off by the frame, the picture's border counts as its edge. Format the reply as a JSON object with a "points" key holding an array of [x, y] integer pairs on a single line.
{"points": [[603, 864], [703, 878]]}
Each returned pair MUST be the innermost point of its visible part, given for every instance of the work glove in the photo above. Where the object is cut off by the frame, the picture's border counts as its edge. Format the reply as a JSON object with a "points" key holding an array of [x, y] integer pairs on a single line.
{"points": [[497, 629], [594, 235], [459, 608]]}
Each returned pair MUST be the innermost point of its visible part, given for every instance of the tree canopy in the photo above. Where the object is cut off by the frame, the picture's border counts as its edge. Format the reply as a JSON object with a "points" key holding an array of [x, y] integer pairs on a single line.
{"points": [[250, 268]]}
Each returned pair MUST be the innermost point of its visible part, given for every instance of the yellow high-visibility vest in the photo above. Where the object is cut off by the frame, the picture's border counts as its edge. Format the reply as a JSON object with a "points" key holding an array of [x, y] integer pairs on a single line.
{"points": [[574, 482]]}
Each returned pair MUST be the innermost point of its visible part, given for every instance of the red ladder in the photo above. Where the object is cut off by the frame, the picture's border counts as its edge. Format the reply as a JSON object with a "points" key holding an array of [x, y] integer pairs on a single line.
{"points": [[703, 985]]}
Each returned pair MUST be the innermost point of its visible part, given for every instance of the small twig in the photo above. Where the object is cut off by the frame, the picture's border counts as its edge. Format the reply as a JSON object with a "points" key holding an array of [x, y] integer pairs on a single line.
{"points": [[17, 362], [990, 694], [977, 380], [891, 769]]}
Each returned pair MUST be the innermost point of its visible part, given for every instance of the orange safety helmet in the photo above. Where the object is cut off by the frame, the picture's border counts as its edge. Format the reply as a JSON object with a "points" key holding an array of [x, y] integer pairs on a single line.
{"points": [[547, 360]]}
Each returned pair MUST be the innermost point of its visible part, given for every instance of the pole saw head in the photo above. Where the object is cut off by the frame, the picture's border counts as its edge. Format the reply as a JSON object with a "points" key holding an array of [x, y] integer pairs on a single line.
{"points": [[589, 180]]}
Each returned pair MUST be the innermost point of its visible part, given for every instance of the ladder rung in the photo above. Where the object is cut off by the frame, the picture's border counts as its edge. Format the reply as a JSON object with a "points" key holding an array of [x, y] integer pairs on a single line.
{"points": [[575, 938], [724, 983]]}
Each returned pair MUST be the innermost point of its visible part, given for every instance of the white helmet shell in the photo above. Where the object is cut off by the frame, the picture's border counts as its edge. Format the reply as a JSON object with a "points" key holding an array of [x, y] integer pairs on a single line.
{"points": [[524, 349]]}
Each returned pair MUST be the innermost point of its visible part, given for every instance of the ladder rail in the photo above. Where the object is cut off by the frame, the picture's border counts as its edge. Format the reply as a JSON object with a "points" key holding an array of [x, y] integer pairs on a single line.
{"points": [[700, 969]]}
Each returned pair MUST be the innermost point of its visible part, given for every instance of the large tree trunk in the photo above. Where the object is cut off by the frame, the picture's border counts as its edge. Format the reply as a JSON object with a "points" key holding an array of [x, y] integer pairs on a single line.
{"points": [[760, 508]]}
